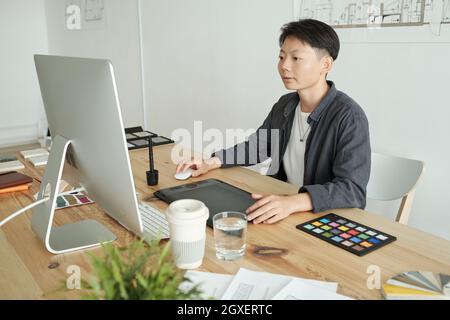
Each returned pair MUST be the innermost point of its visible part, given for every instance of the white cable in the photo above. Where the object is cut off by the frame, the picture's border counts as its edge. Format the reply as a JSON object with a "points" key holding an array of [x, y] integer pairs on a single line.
{"points": [[34, 204]]}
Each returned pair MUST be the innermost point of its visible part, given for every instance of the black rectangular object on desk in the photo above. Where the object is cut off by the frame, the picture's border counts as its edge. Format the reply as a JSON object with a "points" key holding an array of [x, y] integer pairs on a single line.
{"points": [[349, 235], [217, 195]]}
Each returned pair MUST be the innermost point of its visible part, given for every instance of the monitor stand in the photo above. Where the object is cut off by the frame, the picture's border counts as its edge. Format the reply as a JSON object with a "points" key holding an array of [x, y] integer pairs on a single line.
{"points": [[69, 237]]}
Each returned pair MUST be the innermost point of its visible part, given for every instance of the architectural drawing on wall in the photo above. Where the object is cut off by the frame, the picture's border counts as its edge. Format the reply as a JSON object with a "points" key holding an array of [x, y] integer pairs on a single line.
{"points": [[366, 13], [446, 15], [94, 10], [437, 10]]}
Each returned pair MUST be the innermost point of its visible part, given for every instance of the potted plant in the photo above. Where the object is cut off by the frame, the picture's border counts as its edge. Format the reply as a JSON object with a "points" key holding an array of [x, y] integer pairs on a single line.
{"points": [[137, 271]]}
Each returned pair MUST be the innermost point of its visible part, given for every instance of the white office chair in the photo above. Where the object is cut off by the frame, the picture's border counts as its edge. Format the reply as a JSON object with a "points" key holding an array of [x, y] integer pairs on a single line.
{"points": [[393, 178]]}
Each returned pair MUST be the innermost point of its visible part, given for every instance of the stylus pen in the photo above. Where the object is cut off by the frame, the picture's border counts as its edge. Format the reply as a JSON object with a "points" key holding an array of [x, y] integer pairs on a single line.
{"points": [[150, 154]]}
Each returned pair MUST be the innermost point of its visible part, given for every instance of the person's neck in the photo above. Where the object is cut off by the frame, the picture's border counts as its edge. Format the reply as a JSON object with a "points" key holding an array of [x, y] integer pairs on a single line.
{"points": [[311, 97]]}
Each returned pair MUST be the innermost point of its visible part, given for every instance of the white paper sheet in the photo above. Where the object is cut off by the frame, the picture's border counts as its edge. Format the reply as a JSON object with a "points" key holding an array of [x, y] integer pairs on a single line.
{"points": [[252, 285], [297, 289], [212, 285]]}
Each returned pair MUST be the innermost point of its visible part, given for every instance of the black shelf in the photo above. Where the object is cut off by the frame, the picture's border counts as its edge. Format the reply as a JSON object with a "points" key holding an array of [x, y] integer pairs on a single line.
{"points": [[137, 138]]}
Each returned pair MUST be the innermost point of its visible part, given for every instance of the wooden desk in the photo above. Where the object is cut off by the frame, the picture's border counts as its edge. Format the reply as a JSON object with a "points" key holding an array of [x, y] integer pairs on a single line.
{"points": [[28, 271]]}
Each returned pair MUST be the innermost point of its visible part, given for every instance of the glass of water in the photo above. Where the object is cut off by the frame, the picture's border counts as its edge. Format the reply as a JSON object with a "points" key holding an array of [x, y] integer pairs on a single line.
{"points": [[230, 231]]}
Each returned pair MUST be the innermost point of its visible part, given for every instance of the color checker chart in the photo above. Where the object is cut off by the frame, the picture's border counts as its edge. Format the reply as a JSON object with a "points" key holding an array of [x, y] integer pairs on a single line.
{"points": [[346, 234]]}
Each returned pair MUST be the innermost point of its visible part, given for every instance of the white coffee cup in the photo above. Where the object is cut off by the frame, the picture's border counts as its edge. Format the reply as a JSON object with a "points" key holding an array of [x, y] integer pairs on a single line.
{"points": [[187, 225]]}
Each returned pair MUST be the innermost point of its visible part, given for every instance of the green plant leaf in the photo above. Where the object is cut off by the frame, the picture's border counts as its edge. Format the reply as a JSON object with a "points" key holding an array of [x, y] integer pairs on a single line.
{"points": [[138, 270]]}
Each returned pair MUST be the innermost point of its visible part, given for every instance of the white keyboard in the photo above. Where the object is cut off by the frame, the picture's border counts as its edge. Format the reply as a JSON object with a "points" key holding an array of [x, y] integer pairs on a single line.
{"points": [[154, 222]]}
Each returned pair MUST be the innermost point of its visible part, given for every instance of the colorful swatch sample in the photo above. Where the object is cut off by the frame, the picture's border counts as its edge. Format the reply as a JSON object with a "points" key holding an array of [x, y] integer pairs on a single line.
{"points": [[346, 234], [72, 200], [417, 285]]}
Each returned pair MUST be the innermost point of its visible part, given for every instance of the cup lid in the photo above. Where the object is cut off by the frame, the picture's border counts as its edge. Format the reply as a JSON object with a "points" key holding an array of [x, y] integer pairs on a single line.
{"points": [[187, 209]]}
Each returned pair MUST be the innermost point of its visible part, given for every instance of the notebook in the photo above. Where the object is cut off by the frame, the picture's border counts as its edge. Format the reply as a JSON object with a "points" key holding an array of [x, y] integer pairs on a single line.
{"points": [[7, 158], [39, 160], [23, 187], [11, 166], [34, 153], [14, 179], [9, 162]]}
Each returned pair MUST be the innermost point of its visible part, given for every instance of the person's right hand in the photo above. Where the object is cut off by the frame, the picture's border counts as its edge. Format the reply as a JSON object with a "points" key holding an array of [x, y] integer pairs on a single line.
{"points": [[199, 167]]}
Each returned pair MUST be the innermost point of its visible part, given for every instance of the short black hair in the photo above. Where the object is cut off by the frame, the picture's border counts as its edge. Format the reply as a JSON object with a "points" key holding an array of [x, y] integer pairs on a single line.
{"points": [[317, 34]]}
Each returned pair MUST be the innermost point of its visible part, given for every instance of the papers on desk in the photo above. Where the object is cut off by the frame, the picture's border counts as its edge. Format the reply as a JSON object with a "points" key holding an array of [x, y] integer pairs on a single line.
{"points": [[300, 290], [212, 285], [252, 285]]}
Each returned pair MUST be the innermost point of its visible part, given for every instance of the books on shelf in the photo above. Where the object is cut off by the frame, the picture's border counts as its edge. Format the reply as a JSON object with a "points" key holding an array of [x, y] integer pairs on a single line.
{"points": [[417, 285]]}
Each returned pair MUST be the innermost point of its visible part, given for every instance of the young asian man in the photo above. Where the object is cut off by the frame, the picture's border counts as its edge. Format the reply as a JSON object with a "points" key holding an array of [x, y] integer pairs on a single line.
{"points": [[323, 144]]}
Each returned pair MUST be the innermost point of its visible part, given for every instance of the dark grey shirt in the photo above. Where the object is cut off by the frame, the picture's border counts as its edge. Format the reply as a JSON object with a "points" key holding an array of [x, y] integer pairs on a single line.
{"points": [[337, 154]]}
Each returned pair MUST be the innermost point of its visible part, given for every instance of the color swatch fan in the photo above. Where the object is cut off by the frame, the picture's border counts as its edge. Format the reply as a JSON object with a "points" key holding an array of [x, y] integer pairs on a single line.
{"points": [[417, 285]]}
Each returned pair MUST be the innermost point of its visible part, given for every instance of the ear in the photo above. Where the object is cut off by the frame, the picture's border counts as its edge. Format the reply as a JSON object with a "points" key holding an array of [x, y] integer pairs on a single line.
{"points": [[327, 64]]}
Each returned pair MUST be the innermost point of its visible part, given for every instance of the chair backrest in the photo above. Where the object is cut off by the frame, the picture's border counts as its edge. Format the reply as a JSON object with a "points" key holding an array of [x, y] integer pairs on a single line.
{"points": [[393, 178]]}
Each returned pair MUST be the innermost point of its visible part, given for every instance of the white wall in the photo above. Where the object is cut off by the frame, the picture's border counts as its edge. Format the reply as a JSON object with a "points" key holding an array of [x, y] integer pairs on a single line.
{"points": [[115, 38], [23, 33], [215, 61], [404, 89], [211, 60]]}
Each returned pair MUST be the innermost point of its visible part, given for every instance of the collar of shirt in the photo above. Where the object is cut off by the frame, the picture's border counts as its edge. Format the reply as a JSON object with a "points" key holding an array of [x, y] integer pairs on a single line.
{"points": [[317, 113]]}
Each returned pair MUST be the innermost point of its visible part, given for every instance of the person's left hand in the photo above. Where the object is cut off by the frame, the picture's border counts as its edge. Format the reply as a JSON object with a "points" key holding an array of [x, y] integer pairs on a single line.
{"points": [[269, 209], [273, 208]]}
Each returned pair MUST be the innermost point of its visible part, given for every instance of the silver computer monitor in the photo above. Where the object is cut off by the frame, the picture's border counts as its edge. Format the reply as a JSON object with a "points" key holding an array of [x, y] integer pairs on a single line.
{"points": [[84, 116]]}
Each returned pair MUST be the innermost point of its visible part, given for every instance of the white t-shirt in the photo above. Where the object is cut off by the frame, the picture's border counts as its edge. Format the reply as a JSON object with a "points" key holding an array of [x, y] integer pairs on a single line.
{"points": [[294, 157]]}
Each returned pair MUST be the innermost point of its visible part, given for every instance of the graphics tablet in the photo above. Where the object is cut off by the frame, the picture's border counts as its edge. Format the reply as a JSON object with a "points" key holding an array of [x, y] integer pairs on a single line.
{"points": [[217, 195]]}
